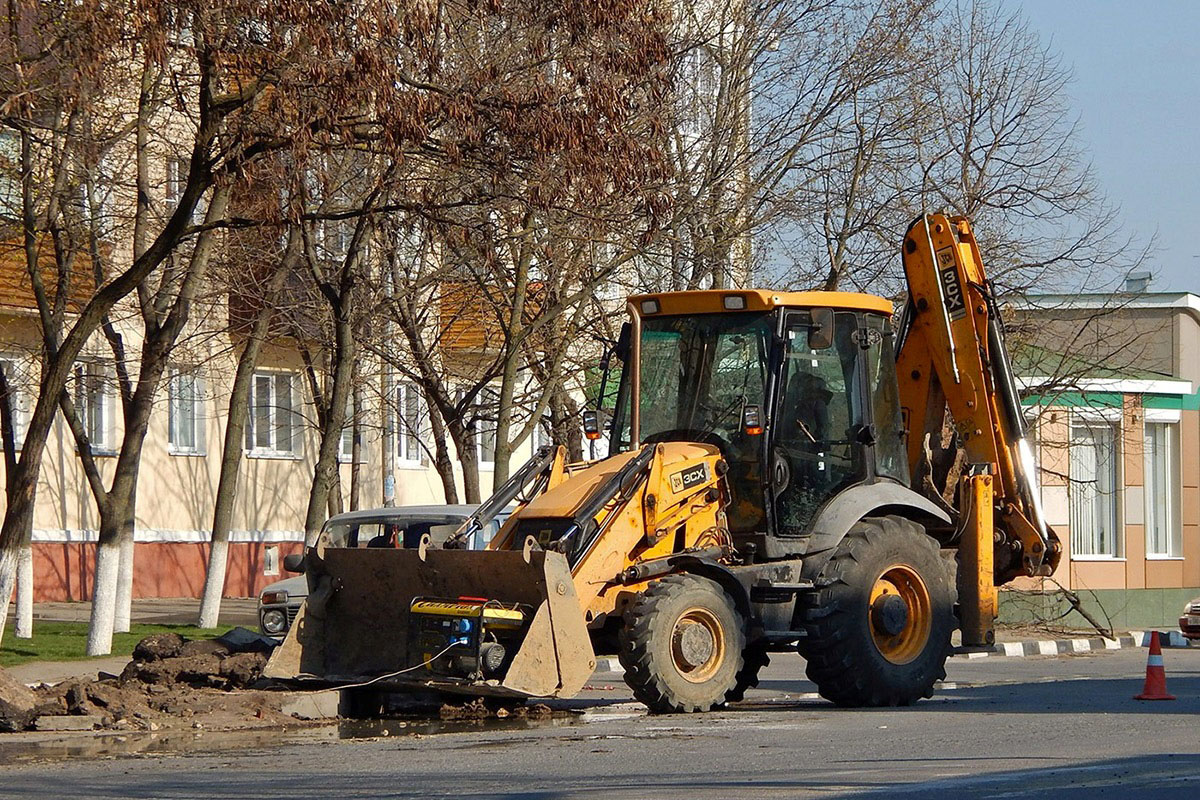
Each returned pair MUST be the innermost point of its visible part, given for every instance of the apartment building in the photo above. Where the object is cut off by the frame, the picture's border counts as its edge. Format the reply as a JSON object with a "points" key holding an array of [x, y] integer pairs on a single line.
{"points": [[181, 460]]}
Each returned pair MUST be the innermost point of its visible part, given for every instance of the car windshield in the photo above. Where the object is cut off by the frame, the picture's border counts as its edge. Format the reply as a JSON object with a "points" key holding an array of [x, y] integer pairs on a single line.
{"points": [[391, 530], [382, 532]]}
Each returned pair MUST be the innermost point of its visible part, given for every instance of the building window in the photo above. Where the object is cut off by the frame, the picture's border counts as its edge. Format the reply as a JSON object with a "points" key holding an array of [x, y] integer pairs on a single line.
{"points": [[185, 423], [1093, 474], [18, 399], [485, 426], [351, 433], [10, 175], [271, 560], [94, 405], [408, 424], [543, 434], [1161, 449], [177, 174], [273, 425]]}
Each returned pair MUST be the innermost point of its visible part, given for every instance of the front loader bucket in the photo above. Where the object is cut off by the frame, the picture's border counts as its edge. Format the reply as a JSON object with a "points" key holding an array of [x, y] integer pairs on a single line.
{"points": [[410, 619]]}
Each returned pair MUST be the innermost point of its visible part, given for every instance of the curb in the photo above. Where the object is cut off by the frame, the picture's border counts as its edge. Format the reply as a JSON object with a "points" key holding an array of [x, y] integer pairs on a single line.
{"points": [[609, 665], [1045, 647], [1054, 647]]}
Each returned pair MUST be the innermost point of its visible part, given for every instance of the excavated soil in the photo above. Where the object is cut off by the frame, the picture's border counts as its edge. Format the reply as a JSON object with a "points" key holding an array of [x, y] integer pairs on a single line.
{"points": [[170, 683]]}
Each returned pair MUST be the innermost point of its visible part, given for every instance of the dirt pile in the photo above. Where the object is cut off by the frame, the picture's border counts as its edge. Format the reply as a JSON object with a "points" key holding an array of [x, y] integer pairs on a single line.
{"points": [[19, 705], [170, 683]]}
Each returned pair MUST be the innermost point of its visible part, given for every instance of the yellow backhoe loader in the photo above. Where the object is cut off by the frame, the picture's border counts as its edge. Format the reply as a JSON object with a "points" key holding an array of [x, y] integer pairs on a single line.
{"points": [[776, 482]]}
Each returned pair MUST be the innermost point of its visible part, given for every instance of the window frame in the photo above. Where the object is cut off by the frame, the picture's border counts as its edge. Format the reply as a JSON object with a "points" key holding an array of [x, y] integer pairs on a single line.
{"points": [[1172, 491], [254, 450], [1092, 419], [486, 464], [401, 456], [102, 443], [198, 422], [19, 398]]}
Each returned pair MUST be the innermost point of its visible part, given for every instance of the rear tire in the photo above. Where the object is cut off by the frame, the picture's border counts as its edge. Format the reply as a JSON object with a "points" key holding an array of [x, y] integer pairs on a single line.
{"points": [[863, 646], [682, 644]]}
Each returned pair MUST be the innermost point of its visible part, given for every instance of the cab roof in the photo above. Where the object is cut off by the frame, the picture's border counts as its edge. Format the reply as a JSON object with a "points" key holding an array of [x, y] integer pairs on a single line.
{"points": [[715, 301]]}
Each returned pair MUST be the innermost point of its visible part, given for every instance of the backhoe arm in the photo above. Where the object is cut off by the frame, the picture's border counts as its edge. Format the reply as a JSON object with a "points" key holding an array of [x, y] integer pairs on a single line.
{"points": [[951, 353]]}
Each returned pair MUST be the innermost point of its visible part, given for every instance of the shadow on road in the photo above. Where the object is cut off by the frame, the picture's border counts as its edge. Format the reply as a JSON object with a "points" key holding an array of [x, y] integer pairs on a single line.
{"points": [[1074, 696], [1163, 776]]}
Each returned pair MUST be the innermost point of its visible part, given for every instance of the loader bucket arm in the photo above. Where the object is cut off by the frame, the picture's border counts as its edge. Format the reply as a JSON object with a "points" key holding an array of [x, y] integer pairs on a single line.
{"points": [[951, 353]]}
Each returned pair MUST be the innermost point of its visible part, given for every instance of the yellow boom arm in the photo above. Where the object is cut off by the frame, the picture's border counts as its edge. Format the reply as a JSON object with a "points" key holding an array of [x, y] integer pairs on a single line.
{"points": [[952, 354]]}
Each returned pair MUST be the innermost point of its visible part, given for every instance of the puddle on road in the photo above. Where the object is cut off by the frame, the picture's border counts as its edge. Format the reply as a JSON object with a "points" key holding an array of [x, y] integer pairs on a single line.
{"points": [[35, 747]]}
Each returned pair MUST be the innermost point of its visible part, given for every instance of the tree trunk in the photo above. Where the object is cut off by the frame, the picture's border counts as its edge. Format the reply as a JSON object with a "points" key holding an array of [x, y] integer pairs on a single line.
{"points": [[214, 580], [121, 618], [104, 594], [355, 449], [468, 456], [326, 471], [235, 438], [23, 629], [512, 357], [8, 582], [231, 462], [441, 457]]}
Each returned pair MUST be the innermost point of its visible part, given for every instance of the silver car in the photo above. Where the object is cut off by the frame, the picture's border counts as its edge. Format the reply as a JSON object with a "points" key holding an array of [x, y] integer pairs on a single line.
{"points": [[401, 526]]}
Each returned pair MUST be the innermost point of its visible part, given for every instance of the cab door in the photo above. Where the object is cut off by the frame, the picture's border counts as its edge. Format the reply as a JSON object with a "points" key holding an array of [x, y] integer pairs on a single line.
{"points": [[816, 445]]}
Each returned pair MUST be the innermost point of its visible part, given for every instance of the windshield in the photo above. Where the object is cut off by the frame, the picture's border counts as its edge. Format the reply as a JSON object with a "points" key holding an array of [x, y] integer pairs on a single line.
{"points": [[698, 372], [389, 531]]}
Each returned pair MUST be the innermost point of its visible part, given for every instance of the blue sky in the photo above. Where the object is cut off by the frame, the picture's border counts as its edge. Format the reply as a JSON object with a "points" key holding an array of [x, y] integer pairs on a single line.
{"points": [[1137, 94]]}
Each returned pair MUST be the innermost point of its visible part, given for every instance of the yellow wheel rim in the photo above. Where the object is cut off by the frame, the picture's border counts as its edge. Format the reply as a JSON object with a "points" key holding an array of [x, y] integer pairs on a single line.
{"points": [[697, 644], [900, 614]]}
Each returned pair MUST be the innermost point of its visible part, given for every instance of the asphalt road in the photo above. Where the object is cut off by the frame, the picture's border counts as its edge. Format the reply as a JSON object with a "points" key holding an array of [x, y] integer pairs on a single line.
{"points": [[1064, 727]]}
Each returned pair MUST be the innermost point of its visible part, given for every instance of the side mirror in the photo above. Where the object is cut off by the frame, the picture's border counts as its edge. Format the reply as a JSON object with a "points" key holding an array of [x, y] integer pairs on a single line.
{"points": [[820, 335], [865, 435], [752, 420], [591, 425], [294, 562]]}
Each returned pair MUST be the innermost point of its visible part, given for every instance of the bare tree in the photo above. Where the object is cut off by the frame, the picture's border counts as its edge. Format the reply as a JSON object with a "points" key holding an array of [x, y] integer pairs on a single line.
{"points": [[238, 91]]}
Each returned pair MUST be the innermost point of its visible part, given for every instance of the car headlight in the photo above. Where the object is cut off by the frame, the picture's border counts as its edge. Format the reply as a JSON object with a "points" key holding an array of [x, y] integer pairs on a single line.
{"points": [[273, 598], [274, 620]]}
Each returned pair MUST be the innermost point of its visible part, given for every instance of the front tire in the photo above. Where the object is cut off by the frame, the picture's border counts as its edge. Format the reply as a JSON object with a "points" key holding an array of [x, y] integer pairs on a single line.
{"points": [[878, 627], [682, 644]]}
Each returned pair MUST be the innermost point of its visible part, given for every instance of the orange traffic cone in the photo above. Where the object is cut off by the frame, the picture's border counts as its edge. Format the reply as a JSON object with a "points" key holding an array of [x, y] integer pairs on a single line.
{"points": [[1156, 676]]}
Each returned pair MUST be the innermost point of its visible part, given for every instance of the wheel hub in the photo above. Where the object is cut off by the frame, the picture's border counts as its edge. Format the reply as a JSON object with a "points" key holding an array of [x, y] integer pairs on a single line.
{"points": [[697, 644], [889, 614], [900, 614]]}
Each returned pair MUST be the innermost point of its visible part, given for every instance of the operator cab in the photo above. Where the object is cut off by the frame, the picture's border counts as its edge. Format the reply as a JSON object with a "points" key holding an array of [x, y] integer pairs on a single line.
{"points": [[797, 389]]}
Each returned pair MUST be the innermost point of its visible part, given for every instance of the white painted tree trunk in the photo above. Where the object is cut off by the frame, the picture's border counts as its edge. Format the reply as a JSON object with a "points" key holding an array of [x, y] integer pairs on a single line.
{"points": [[124, 586], [8, 579], [104, 599], [23, 629], [214, 584]]}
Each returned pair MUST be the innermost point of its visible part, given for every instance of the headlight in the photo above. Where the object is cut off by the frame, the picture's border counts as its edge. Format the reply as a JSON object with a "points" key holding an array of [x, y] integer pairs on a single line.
{"points": [[274, 621], [272, 598]]}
